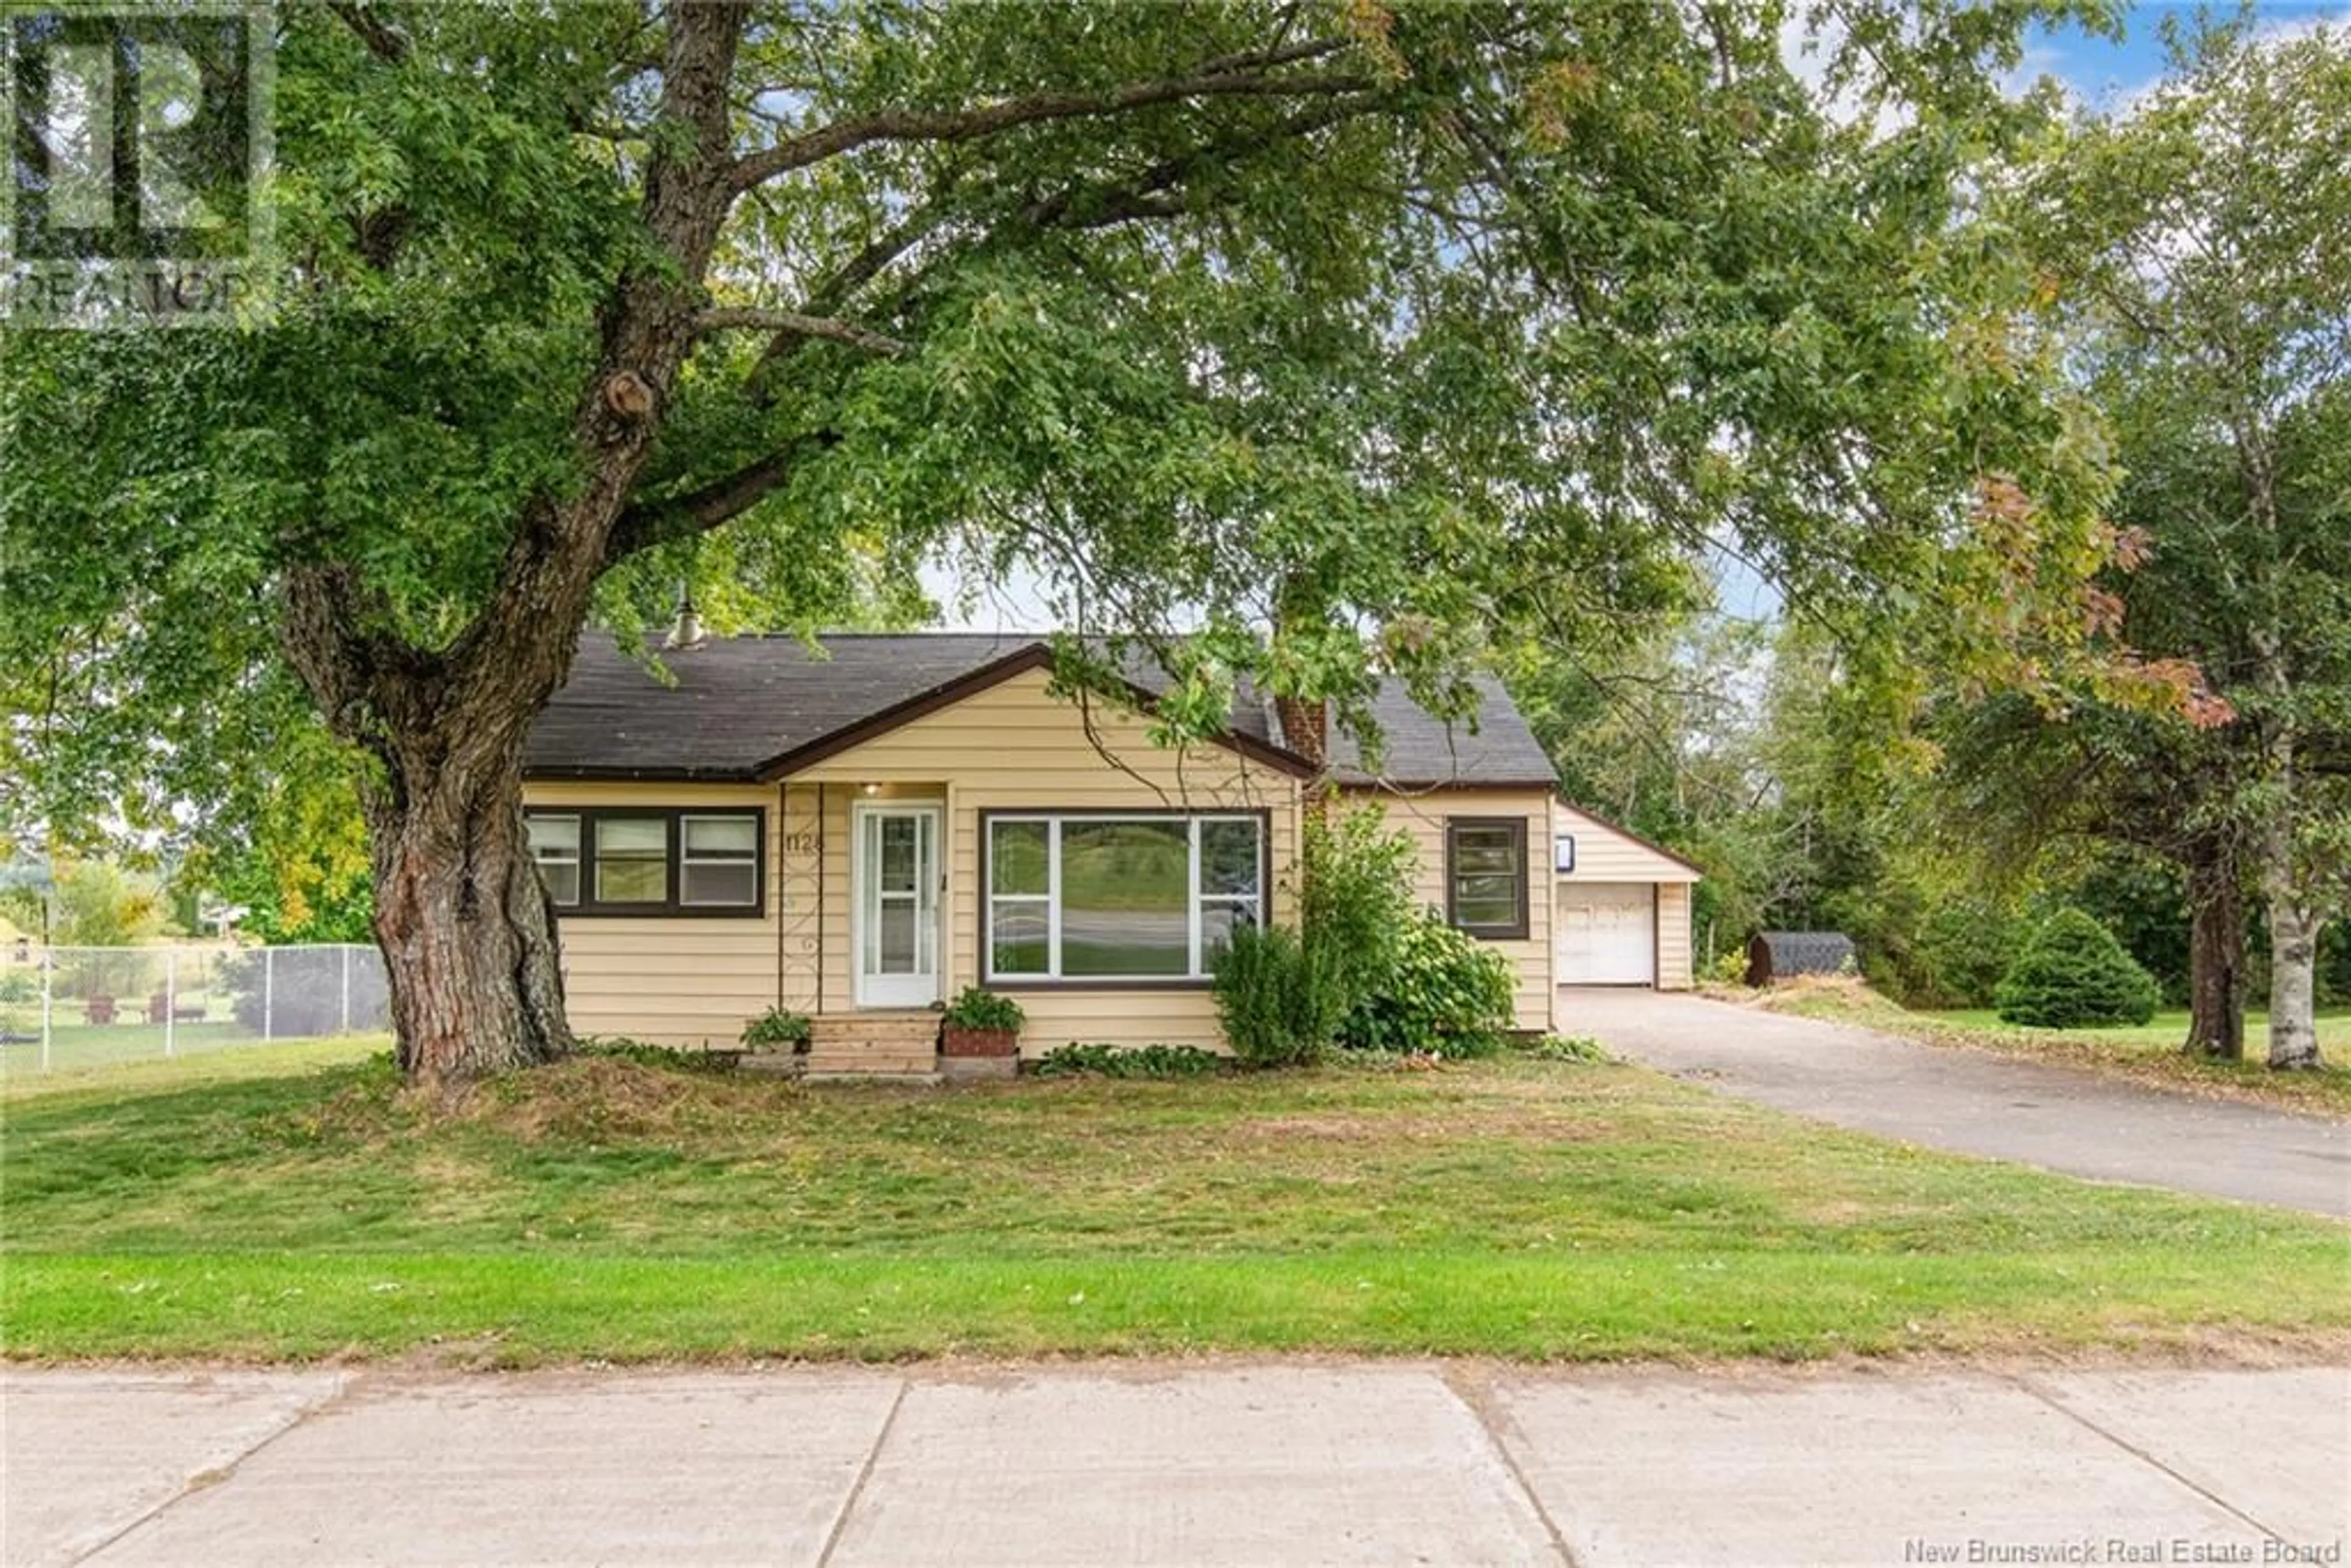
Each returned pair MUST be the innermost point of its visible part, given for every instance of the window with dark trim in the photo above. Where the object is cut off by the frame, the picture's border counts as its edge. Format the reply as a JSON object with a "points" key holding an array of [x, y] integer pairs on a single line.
{"points": [[652, 860], [1485, 876], [1119, 898], [555, 846]]}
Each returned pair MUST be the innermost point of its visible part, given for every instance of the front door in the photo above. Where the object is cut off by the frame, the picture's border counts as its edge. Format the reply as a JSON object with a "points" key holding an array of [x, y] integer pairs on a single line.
{"points": [[895, 882]]}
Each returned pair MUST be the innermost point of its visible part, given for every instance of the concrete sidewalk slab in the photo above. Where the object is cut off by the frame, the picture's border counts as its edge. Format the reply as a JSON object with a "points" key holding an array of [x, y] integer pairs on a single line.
{"points": [[1977, 1103], [1669, 1469], [1271, 1464], [572, 1467], [1160, 1463], [2276, 1444], [85, 1454]]}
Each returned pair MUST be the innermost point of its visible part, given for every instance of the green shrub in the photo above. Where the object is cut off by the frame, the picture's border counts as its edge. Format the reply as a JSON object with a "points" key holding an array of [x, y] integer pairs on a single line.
{"points": [[1575, 1048], [17, 993], [2071, 974], [644, 1053], [1962, 950], [1281, 1000], [1450, 995], [1355, 899], [1124, 1062], [777, 1029], [985, 1010]]}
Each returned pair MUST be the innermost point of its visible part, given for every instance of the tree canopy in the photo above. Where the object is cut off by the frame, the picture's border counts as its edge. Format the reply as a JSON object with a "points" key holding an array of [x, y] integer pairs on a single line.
{"points": [[1352, 336]]}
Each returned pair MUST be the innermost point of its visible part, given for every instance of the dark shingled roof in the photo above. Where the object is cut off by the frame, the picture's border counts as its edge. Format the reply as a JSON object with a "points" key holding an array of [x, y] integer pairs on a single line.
{"points": [[1418, 749], [738, 704], [746, 707]]}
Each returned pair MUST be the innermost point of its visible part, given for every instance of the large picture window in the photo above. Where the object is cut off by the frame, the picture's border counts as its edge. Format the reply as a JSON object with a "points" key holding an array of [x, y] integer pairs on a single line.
{"points": [[653, 861], [1485, 876], [1094, 898]]}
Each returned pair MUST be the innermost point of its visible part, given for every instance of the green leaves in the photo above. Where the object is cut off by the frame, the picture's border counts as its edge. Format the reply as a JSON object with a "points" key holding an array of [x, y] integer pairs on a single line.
{"points": [[1400, 337]]}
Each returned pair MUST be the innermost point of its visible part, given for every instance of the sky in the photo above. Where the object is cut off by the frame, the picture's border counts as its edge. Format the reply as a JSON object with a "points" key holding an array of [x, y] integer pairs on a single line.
{"points": [[2101, 72], [2104, 72]]}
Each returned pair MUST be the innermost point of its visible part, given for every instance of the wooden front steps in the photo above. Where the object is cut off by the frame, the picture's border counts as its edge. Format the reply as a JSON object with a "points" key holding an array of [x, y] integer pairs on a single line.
{"points": [[899, 1046]]}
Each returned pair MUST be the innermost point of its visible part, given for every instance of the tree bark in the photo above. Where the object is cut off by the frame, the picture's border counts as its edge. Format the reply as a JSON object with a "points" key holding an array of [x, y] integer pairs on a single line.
{"points": [[466, 925], [2216, 954], [2293, 962]]}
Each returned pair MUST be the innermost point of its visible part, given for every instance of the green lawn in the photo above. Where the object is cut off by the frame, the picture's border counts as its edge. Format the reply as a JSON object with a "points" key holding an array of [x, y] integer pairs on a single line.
{"points": [[75, 1046], [2149, 1052], [606, 1209], [126, 1066]]}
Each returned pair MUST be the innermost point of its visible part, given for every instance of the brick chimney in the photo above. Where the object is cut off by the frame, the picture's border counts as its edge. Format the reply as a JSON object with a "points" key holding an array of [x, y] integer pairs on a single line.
{"points": [[1305, 727]]}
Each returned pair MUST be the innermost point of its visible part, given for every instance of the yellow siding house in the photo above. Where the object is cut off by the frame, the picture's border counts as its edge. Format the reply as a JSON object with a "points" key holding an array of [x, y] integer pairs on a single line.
{"points": [[858, 833]]}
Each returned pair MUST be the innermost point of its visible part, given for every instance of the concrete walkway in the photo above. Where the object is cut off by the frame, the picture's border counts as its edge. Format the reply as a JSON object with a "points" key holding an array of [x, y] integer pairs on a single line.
{"points": [[1977, 1103], [1187, 1464]]}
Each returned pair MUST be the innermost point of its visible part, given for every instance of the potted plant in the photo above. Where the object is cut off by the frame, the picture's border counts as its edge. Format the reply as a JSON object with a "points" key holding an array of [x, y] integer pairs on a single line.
{"points": [[980, 1023], [779, 1031]]}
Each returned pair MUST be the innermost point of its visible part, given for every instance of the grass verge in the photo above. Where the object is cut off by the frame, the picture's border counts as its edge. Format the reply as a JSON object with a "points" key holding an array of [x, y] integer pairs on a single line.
{"points": [[2148, 1053], [621, 1210]]}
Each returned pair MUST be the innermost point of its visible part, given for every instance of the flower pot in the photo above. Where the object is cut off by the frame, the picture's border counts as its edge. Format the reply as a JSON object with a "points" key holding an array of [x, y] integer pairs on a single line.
{"points": [[957, 1041]]}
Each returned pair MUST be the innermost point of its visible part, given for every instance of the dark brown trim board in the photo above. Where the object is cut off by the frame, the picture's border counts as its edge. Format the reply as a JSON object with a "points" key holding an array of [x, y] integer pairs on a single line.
{"points": [[1517, 827], [1036, 656], [670, 907]]}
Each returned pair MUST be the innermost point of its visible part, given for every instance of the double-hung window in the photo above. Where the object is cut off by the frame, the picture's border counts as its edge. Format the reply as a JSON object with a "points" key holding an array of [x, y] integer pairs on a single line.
{"points": [[1485, 876], [1118, 898], [555, 845], [610, 860], [631, 860], [717, 860]]}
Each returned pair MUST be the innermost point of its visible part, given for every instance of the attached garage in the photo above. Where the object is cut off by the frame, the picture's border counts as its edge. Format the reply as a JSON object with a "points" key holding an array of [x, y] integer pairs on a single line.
{"points": [[1606, 934], [1621, 906]]}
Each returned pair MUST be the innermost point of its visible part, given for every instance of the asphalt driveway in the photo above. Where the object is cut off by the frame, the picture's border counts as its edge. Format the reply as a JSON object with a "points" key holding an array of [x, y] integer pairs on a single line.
{"points": [[1977, 1103], [1179, 1463]]}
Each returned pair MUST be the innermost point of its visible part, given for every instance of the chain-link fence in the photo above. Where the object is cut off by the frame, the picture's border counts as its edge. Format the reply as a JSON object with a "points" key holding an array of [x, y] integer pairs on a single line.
{"points": [[63, 1007]]}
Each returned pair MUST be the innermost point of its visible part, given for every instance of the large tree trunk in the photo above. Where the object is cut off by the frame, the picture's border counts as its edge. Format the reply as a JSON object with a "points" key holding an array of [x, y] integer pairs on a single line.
{"points": [[2293, 973], [466, 928], [468, 932], [2295, 919], [2216, 954]]}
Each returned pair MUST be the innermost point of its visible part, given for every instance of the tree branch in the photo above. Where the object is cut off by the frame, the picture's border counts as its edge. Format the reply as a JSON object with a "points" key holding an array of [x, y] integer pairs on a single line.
{"points": [[1148, 194], [670, 518], [832, 328], [855, 274], [381, 41], [970, 124]]}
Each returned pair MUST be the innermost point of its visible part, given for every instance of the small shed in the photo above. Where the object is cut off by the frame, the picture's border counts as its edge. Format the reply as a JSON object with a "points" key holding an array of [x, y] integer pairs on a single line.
{"points": [[1783, 955]]}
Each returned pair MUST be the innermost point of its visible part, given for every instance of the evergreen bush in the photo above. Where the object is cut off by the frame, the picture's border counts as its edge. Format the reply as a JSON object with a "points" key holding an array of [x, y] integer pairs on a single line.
{"points": [[1280, 998], [2072, 974]]}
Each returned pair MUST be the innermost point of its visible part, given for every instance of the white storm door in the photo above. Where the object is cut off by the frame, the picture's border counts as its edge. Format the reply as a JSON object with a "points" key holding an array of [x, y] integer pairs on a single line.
{"points": [[895, 878]]}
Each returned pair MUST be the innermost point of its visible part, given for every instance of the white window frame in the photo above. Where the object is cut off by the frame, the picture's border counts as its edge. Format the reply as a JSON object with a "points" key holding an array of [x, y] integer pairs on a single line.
{"points": [[685, 858], [598, 822], [577, 860], [1196, 971]]}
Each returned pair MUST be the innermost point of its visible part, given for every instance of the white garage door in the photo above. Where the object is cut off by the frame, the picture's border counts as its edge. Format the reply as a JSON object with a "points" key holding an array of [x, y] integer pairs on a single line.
{"points": [[1608, 933]]}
